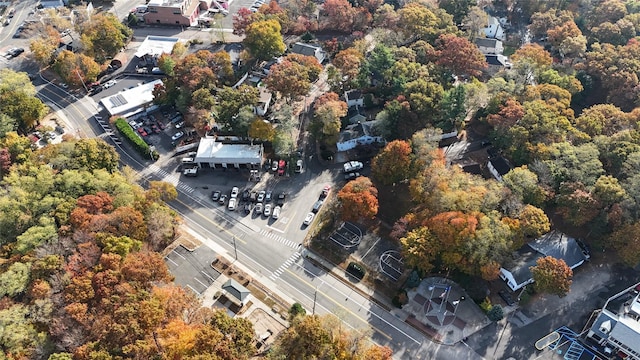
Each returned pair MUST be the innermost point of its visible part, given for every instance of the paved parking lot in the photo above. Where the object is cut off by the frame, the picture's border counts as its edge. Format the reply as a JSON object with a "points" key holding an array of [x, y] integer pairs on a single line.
{"points": [[192, 269]]}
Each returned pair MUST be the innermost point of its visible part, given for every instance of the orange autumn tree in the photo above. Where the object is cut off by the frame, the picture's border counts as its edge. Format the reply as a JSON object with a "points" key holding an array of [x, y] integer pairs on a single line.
{"points": [[552, 276], [358, 199], [393, 163]]}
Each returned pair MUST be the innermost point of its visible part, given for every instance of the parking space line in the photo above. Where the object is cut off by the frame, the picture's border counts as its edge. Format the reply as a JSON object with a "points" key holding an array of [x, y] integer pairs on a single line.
{"points": [[177, 253], [201, 283], [168, 258], [207, 275]]}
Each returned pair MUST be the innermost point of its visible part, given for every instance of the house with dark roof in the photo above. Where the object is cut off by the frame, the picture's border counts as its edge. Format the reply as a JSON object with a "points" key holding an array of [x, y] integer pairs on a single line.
{"points": [[354, 98], [498, 167], [517, 273], [309, 50], [358, 134], [489, 46], [616, 331], [496, 63]]}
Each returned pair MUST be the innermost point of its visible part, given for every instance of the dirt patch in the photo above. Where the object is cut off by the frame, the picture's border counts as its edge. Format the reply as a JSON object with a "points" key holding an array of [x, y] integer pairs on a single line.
{"points": [[265, 326]]}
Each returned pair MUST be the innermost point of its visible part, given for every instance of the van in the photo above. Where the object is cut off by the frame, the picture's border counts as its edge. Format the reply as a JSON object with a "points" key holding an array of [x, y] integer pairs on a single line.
{"points": [[141, 9], [187, 160]]}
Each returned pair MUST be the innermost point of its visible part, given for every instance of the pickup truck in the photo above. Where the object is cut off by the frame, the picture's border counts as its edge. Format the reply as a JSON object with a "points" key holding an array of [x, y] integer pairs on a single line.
{"points": [[351, 166]]}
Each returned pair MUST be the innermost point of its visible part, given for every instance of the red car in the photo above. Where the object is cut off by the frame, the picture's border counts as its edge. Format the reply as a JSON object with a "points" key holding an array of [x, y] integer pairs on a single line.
{"points": [[281, 165], [142, 132], [155, 128], [325, 191]]}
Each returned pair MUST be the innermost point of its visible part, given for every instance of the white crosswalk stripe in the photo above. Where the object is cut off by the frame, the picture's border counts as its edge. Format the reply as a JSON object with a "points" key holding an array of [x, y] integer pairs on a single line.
{"points": [[278, 238], [290, 261]]}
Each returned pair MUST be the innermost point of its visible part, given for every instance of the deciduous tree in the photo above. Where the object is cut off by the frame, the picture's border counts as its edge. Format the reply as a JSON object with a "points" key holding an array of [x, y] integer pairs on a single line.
{"points": [[358, 200], [261, 129], [264, 40], [420, 249], [393, 163], [459, 55], [104, 35], [552, 276]]}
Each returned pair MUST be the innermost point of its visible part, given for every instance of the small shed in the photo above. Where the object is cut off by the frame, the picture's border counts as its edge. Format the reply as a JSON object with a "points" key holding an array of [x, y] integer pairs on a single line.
{"points": [[236, 290]]}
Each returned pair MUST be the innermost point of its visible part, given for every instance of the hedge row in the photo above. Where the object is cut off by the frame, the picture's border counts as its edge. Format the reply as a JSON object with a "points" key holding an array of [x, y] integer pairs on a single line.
{"points": [[138, 144]]}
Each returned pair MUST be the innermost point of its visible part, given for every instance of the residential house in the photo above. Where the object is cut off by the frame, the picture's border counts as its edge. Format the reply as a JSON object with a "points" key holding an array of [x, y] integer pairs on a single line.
{"points": [[496, 63], [517, 274], [263, 102], [175, 12], [615, 333], [309, 50], [354, 98], [489, 46], [494, 29], [498, 167], [358, 134]]}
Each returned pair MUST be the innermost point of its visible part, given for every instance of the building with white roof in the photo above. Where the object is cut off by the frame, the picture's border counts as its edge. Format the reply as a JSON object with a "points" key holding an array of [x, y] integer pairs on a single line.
{"points": [[132, 101], [156, 46], [215, 154]]}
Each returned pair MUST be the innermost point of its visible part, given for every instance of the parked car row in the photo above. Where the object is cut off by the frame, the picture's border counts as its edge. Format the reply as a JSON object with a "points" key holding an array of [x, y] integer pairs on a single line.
{"points": [[261, 199], [147, 125], [317, 206]]}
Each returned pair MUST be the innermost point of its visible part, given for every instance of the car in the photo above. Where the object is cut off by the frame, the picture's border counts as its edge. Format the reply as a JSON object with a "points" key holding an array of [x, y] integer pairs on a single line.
{"points": [[299, 166], [267, 210], [325, 191], [506, 297], [155, 128], [351, 176], [142, 132], [109, 84], [6, 22], [177, 135], [215, 196], [247, 208], [254, 196], [176, 119], [147, 130], [161, 125], [222, 200], [267, 196], [191, 172], [261, 196], [317, 206], [234, 192], [274, 166], [276, 212], [281, 165], [14, 52], [232, 204], [245, 195], [258, 208], [180, 125], [281, 198], [134, 125], [351, 166], [586, 250], [356, 270], [309, 218], [96, 90]]}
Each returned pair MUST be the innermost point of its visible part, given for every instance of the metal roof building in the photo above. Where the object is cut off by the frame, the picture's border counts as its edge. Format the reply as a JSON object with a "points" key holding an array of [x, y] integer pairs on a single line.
{"points": [[132, 101]]}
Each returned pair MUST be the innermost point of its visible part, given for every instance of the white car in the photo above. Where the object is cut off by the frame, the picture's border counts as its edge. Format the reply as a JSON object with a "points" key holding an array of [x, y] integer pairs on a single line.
{"points": [[276, 212], [309, 218], [177, 135], [232, 204], [267, 210], [109, 84], [234, 192]]}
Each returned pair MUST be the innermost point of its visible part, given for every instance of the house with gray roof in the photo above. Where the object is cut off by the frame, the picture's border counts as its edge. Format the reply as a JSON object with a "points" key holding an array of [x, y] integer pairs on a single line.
{"points": [[615, 333], [489, 46], [239, 292], [517, 273], [309, 50], [361, 133]]}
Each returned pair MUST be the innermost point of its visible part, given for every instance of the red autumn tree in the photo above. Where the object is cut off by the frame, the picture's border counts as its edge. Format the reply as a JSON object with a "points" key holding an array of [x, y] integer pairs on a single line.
{"points": [[359, 199], [510, 112], [241, 20], [340, 15], [460, 56]]}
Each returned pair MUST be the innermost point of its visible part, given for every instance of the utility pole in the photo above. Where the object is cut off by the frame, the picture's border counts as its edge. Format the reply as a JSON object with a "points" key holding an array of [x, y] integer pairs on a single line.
{"points": [[235, 248], [315, 297]]}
